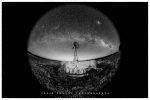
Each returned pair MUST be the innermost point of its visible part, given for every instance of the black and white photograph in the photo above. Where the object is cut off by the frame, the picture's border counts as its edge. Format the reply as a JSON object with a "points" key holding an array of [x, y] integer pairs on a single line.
{"points": [[74, 49]]}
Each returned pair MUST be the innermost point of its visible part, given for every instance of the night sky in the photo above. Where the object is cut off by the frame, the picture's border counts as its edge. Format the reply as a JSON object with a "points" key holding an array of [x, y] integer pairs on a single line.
{"points": [[54, 34]]}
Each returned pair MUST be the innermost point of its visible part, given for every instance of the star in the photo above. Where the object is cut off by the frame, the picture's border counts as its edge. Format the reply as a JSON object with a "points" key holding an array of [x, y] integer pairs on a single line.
{"points": [[98, 22]]}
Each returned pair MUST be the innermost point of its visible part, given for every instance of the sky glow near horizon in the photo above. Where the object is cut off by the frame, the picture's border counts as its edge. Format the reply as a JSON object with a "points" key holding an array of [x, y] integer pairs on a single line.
{"points": [[60, 48]]}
